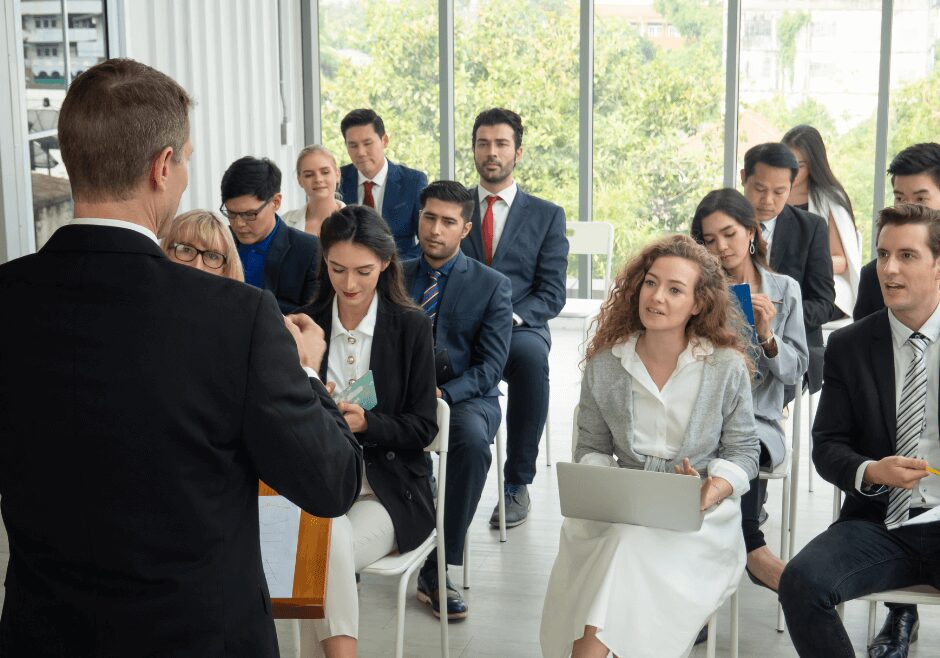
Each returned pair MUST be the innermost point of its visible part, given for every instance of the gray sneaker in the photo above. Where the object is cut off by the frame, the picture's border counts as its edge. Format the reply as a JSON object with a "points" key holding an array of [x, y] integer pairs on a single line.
{"points": [[517, 506]]}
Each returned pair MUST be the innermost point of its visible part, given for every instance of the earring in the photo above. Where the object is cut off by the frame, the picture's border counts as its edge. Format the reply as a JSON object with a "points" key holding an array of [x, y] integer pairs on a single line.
{"points": [[752, 249]]}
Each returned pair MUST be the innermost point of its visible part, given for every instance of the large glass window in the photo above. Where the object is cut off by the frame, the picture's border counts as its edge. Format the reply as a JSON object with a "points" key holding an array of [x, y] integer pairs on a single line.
{"points": [[383, 55], [658, 114], [58, 45], [815, 63]]}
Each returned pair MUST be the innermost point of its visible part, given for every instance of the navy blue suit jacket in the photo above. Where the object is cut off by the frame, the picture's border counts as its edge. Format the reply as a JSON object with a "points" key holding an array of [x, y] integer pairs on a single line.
{"points": [[292, 268], [533, 253], [474, 325], [400, 204]]}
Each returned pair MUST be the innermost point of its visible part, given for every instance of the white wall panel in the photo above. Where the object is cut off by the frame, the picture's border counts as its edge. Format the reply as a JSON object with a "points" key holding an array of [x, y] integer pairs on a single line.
{"points": [[225, 54]]}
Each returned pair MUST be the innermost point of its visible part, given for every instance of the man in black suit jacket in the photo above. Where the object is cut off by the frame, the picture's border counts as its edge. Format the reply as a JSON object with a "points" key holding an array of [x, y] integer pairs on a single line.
{"points": [[875, 431], [523, 237], [275, 256], [798, 241], [470, 307], [140, 403], [915, 178]]}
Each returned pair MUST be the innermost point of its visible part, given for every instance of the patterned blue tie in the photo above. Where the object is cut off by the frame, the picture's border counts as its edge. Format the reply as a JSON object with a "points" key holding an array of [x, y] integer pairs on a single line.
{"points": [[912, 416], [430, 297]]}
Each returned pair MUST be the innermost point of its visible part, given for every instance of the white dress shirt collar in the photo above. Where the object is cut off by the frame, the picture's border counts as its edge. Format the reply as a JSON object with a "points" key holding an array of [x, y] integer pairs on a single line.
{"points": [[378, 179], [696, 350], [114, 223], [901, 332], [508, 194], [366, 327]]}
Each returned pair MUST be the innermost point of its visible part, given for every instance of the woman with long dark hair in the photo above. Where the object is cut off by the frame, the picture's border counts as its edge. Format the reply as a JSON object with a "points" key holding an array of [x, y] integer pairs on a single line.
{"points": [[371, 324], [724, 222], [817, 190], [666, 388]]}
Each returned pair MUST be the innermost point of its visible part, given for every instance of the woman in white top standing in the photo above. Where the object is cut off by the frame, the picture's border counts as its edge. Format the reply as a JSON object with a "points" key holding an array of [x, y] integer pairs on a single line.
{"points": [[817, 190], [318, 176], [666, 388]]}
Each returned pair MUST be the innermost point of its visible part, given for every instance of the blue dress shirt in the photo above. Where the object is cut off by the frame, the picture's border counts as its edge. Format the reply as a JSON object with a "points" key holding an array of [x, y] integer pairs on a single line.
{"points": [[254, 255]]}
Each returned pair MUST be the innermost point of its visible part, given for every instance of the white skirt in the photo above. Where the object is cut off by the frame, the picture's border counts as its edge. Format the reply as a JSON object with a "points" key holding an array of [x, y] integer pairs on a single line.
{"points": [[648, 591]]}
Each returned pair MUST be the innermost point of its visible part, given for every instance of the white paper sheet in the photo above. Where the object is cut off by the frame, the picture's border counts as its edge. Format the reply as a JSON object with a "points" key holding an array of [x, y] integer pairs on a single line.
{"points": [[279, 523], [927, 517]]}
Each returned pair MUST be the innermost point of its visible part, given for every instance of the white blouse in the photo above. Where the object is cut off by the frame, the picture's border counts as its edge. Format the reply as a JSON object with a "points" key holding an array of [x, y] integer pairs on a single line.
{"points": [[350, 349]]}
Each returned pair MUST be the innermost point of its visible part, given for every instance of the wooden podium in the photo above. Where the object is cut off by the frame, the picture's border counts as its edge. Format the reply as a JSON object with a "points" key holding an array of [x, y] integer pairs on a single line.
{"points": [[313, 550]]}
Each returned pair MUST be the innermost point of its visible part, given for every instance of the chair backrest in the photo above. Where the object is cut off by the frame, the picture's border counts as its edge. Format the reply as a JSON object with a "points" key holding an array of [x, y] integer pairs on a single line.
{"points": [[590, 238], [441, 441], [574, 432]]}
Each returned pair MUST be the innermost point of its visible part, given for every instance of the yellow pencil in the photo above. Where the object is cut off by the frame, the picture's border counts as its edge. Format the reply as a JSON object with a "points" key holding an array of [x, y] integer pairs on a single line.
{"points": [[932, 470]]}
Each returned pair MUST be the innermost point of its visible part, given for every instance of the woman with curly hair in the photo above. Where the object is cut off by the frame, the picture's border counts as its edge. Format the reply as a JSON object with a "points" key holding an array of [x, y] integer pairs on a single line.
{"points": [[666, 388]]}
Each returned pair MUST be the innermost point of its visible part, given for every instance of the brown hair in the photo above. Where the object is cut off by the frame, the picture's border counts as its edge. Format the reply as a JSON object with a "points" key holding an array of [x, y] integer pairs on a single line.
{"points": [[912, 213], [203, 226], [116, 118], [719, 321]]}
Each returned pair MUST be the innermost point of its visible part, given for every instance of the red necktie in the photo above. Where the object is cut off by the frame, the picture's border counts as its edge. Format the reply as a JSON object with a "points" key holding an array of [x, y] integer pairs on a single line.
{"points": [[367, 199], [488, 229]]}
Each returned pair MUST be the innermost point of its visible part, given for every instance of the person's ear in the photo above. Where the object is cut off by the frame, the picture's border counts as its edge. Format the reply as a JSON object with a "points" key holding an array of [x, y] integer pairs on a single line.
{"points": [[466, 229], [276, 201], [743, 178], [160, 169], [385, 264], [385, 141], [518, 154]]}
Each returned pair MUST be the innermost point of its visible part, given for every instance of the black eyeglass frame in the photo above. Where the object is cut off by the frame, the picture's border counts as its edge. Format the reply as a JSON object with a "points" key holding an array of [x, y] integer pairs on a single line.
{"points": [[248, 215], [199, 252]]}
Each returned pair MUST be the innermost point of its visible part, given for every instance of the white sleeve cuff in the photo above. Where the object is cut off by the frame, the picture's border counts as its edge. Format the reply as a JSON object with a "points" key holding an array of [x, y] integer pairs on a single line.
{"points": [[867, 489], [517, 321], [311, 373], [597, 459], [734, 474]]}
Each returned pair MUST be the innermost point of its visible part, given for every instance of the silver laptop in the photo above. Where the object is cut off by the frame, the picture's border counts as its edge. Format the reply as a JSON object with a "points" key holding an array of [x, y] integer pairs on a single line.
{"points": [[627, 495]]}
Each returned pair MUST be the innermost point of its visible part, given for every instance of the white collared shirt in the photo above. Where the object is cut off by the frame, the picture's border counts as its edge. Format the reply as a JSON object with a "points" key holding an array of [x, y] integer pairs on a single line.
{"points": [[500, 209], [378, 190], [927, 491], [350, 350], [767, 230], [114, 223]]}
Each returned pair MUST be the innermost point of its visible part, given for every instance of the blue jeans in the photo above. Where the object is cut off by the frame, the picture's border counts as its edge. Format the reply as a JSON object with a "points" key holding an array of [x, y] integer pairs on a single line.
{"points": [[851, 559]]}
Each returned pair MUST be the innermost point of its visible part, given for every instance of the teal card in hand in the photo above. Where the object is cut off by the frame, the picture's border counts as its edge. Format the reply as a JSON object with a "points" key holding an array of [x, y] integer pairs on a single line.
{"points": [[361, 392]]}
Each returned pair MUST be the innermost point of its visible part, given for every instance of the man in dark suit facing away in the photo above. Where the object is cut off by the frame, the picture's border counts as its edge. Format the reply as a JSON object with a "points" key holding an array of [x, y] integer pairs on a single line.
{"points": [[523, 237], [915, 178], [373, 180], [470, 306], [797, 241], [140, 403], [275, 256]]}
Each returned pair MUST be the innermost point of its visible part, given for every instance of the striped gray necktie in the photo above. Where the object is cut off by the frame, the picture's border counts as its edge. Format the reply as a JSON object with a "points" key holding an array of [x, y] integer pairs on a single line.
{"points": [[912, 417]]}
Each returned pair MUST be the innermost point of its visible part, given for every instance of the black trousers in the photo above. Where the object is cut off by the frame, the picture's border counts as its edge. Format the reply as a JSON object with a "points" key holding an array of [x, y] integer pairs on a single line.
{"points": [[751, 504], [526, 373], [851, 559]]}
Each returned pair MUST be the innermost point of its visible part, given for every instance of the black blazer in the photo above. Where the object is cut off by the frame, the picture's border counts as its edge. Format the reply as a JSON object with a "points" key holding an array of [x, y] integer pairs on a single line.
{"points": [[869, 297], [801, 251], [405, 420], [474, 326], [140, 402], [292, 267], [856, 418]]}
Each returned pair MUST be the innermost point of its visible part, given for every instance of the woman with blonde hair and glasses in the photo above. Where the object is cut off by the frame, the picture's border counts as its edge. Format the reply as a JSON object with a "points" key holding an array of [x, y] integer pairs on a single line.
{"points": [[318, 176], [666, 388], [201, 239]]}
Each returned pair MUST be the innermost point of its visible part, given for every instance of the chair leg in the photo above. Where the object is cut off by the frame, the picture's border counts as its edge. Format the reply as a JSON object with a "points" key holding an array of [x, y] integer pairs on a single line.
{"points": [[734, 625], [466, 561], [548, 439], [711, 642], [501, 500], [442, 595], [794, 480], [785, 534], [872, 618], [400, 628]]}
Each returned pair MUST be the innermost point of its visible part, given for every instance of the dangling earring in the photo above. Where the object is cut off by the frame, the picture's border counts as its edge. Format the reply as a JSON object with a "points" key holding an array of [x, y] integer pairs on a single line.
{"points": [[752, 249]]}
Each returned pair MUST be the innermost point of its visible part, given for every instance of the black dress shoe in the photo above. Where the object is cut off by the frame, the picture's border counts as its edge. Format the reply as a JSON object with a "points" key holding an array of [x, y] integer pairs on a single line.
{"points": [[702, 636], [427, 593], [897, 635], [757, 581]]}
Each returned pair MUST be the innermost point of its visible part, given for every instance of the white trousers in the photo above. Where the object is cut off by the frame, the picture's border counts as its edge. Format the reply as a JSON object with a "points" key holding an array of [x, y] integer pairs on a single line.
{"points": [[357, 540]]}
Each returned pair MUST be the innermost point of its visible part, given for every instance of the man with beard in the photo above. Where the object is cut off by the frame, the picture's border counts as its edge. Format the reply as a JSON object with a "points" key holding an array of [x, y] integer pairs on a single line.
{"points": [[523, 237]]}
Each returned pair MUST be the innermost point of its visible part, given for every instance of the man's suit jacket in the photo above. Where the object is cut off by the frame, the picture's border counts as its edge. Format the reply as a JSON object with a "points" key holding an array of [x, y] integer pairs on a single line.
{"points": [[401, 202], [405, 420], [474, 325], [533, 253], [801, 251], [140, 402], [856, 417], [869, 297], [292, 268]]}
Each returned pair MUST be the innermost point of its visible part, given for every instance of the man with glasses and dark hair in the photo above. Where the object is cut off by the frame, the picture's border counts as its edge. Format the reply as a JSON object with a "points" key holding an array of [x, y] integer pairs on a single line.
{"points": [[275, 256]]}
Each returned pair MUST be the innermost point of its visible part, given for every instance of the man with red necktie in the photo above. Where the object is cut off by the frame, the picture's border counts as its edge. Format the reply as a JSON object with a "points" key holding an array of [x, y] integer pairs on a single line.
{"points": [[523, 237]]}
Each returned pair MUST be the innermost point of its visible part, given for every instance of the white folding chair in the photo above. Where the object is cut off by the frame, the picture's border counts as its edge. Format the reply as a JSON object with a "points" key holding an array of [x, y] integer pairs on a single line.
{"points": [[711, 643], [827, 330], [403, 565], [589, 239], [500, 504]]}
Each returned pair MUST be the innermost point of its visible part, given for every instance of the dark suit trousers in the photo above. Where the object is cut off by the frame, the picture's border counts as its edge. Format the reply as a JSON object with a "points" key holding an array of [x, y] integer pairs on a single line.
{"points": [[526, 372], [473, 424], [851, 559]]}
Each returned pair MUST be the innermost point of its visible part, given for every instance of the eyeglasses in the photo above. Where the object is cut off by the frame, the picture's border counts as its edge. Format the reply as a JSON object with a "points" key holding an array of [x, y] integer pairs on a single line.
{"points": [[187, 253], [248, 216]]}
